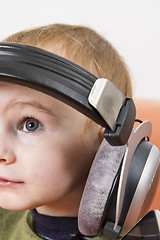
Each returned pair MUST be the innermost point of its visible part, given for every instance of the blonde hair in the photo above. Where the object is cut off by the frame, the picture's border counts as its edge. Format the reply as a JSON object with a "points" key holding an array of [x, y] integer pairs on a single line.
{"points": [[81, 45]]}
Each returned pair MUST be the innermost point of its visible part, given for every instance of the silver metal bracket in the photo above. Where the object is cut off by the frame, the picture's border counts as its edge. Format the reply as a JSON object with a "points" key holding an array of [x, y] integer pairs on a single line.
{"points": [[117, 110], [107, 99]]}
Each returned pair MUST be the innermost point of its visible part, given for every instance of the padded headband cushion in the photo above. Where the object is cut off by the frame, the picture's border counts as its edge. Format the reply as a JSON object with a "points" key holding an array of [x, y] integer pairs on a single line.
{"points": [[98, 186], [52, 74]]}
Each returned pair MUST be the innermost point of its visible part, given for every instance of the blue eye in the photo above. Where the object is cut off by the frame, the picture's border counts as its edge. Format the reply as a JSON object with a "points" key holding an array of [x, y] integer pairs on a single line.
{"points": [[31, 125]]}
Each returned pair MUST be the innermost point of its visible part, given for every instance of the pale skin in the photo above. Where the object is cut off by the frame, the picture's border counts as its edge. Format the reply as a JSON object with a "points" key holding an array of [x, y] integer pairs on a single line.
{"points": [[45, 155]]}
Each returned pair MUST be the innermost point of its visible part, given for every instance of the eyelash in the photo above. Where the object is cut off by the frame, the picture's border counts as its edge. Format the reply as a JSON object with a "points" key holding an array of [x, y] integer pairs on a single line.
{"points": [[24, 120]]}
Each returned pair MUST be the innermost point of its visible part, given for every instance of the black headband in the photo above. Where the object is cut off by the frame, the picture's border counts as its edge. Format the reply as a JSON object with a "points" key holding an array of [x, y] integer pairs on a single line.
{"points": [[56, 76]]}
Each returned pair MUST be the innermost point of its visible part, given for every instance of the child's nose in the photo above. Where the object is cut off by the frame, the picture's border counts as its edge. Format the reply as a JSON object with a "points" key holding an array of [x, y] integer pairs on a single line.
{"points": [[7, 155]]}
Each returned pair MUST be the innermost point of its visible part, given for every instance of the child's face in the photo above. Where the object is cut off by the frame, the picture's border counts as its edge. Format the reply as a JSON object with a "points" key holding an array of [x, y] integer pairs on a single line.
{"points": [[44, 154]]}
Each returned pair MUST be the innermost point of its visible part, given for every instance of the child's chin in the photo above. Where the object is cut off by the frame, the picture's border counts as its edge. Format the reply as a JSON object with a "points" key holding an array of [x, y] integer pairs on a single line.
{"points": [[14, 207]]}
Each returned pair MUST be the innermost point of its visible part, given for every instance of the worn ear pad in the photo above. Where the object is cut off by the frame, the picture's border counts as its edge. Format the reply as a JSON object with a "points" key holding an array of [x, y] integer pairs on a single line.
{"points": [[98, 186]]}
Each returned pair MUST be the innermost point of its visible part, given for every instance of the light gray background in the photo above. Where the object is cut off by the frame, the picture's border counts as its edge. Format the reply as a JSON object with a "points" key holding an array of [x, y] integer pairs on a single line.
{"points": [[132, 26]]}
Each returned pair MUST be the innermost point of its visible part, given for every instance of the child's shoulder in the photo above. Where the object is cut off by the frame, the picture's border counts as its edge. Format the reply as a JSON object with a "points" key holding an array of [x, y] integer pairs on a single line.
{"points": [[16, 225], [98, 238], [9, 218]]}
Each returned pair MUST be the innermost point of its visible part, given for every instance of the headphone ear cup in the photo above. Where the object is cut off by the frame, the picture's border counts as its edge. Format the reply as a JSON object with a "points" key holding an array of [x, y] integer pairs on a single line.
{"points": [[101, 176], [152, 199], [141, 179]]}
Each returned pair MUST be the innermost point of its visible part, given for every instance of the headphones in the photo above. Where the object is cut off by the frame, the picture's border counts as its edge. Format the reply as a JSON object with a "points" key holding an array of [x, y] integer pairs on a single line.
{"points": [[126, 165]]}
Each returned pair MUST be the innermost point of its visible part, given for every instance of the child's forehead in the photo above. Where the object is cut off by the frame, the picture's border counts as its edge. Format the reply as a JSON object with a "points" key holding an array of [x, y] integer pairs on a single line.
{"points": [[18, 93], [22, 96]]}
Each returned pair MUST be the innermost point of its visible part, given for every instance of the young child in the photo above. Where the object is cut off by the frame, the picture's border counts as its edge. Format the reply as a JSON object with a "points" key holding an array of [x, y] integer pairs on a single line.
{"points": [[47, 147]]}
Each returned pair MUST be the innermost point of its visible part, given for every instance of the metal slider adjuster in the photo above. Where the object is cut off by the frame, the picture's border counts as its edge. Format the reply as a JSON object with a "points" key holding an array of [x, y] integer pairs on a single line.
{"points": [[117, 110]]}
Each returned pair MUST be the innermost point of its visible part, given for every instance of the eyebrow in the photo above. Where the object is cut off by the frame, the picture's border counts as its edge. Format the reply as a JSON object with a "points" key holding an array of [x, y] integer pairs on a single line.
{"points": [[34, 104]]}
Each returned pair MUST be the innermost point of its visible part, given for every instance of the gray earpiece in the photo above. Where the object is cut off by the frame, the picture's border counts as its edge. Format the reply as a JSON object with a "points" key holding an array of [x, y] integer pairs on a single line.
{"points": [[97, 189]]}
